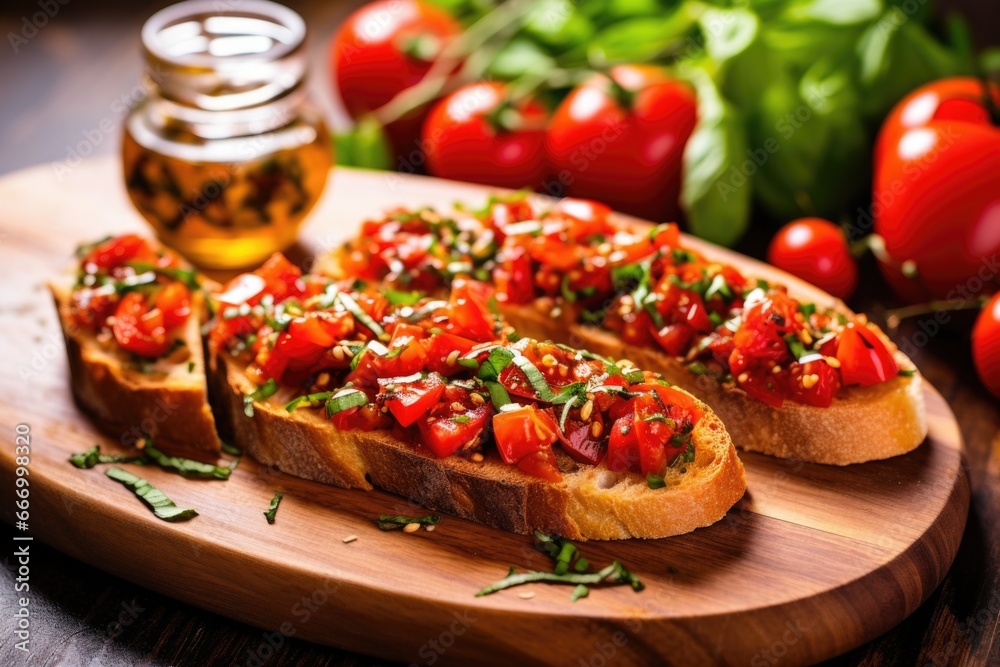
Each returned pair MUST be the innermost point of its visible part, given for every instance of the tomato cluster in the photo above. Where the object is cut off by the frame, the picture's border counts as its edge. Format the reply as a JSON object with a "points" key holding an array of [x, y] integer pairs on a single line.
{"points": [[128, 287], [441, 373], [618, 137]]}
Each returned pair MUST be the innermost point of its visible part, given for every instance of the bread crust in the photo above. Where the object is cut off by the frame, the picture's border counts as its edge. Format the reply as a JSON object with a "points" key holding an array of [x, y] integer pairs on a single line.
{"points": [[862, 424], [590, 502], [169, 404]]}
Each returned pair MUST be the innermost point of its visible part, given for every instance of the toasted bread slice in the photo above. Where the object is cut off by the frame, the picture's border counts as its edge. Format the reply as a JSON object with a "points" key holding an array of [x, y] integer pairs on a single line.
{"points": [[591, 502], [165, 399], [862, 424]]}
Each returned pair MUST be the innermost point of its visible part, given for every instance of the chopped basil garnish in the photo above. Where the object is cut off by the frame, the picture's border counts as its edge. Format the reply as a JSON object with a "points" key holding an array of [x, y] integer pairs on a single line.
{"points": [[687, 456], [345, 399], [565, 413], [499, 359], [309, 401], [397, 522], [719, 287], [682, 256], [807, 309], [655, 481], [635, 376], [460, 419], [270, 388], [498, 394], [93, 456], [907, 372], [535, 378], [273, 509], [162, 506], [397, 298], [186, 276], [134, 282], [795, 346], [698, 368], [351, 306]]}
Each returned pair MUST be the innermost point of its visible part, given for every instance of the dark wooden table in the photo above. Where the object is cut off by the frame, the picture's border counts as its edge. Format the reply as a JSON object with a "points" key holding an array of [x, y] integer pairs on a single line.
{"points": [[58, 87]]}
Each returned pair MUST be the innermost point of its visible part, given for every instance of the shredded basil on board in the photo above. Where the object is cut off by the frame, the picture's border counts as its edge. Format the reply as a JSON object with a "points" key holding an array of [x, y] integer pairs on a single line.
{"points": [[231, 449], [614, 574], [398, 522], [273, 509], [580, 591], [93, 456], [184, 467], [162, 506]]}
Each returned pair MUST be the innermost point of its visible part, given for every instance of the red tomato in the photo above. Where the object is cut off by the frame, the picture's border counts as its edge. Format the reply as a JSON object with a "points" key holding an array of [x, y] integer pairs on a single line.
{"points": [[580, 442], [138, 328], [816, 250], [819, 394], [623, 445], [936, 198], [541, 464], [864, 358], [384, 48], [476, 134], [523, 431], [674, 338], [469, 314], [281, 277], [118, 251], [512, 276], [368, 417], [653, 432], [439, 349], [411, 400], [447, 430], [986, 345], [174, 301], [622, 143]]}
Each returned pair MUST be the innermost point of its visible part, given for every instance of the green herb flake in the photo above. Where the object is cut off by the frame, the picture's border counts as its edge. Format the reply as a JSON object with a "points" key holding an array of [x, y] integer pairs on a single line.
{"points": [[184, 467], [635, 377], [655, 481], [270, 388], [907, 372], [807, 309], [345, 399], [273, 509], [92, 457], [156, 500], [389, 522], [309, 401], [231, 449], [580, 591], [397, 298]]}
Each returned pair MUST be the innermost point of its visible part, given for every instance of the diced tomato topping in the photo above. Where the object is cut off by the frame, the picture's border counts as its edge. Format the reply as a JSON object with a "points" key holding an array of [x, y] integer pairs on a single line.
{"points": [[439, 349], [139, 328], [581, 443], [864, 358], [623, 445], [409, 401], [448, 429], [523, 431], [118, 251], [174, 301], [469, 314]]}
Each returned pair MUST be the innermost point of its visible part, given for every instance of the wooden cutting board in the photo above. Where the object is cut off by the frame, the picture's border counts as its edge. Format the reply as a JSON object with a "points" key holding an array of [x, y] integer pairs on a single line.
{"points": [[813, 561]]}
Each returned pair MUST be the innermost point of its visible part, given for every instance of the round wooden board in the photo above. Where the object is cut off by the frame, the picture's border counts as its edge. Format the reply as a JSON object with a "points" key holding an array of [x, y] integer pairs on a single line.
{"points": [[814, 560]]}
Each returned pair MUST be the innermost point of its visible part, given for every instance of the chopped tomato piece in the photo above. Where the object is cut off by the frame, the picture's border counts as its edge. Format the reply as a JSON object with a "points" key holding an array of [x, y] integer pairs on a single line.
{"points": [[523, 431], [653, 429], [541, 464], [512, 276], [674, 338], [864, 358], [580, 442], [174, 301], [623, 445], [118, 251], [138, 328], [406, 354], [469, 313], [283, 279], [409, 401], [368, 417], [245, 288], [440, 348], [447, 430], [818, 390]]}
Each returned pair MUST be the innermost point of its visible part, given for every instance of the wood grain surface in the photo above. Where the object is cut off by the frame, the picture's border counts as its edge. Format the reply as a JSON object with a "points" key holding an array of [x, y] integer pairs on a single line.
{"points": [[814, 561]]}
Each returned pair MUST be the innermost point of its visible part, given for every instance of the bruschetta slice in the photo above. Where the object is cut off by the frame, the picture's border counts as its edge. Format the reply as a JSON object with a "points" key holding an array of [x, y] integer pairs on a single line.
{"points": [[436, 400], [793, 377], [131, 314]]}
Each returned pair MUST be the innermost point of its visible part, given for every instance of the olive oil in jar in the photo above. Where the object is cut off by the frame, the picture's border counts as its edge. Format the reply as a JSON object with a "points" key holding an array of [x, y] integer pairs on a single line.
{"points": [[225, 157]]}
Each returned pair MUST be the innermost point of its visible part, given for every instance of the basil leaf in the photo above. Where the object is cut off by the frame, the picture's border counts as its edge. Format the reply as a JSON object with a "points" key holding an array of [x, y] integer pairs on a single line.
{"points": [[397, 298], [715, 194], [727, 32], [308, 401], [273, 509], [499, 359], [635, 376], [231, 449], [535, 378], [612, 574], [345, 400], [907, 372], [184, 467], [270, 388], [156, 500], [360, 315], [93, 456], [498, 394], [655, 481], [397, 522]]}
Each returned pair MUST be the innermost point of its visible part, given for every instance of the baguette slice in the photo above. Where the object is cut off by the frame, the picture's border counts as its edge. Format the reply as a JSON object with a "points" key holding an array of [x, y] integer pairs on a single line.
{"points": [[862, 424], [589, 503], [166, 400]]}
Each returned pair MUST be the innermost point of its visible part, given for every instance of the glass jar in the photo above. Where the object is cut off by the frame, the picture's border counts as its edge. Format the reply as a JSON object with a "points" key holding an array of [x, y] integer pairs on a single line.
{"points": [[224, 156]]}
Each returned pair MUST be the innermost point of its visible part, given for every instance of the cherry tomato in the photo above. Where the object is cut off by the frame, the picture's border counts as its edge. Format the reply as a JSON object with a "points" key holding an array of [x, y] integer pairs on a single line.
{"points": [[411, 400], [621, 140], [623, 445], [864, 358], [139, 328], [477, 134], [936, 197], [986, 345], [384, 48], [816, 250]]}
